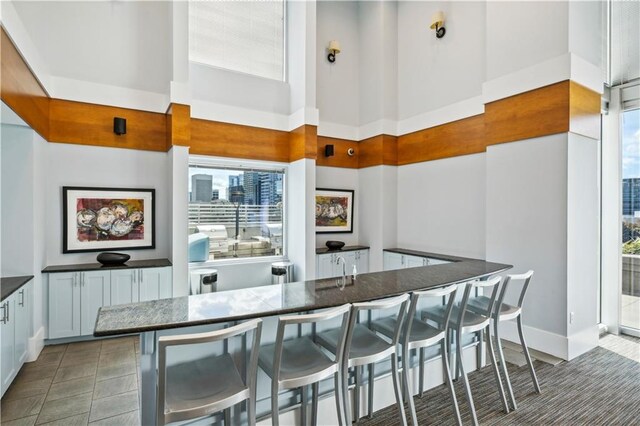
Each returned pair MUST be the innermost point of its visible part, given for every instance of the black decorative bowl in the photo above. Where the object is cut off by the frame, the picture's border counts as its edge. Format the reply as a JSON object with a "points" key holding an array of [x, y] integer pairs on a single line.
{"points": [[109, 258], [334, 245]]}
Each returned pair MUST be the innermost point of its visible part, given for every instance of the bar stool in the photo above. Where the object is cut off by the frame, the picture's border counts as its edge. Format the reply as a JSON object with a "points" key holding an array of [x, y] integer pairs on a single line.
{"points": [[365, 347], [417, 334], [463, 321], [504, 312], [299, 362], [207, 385]]}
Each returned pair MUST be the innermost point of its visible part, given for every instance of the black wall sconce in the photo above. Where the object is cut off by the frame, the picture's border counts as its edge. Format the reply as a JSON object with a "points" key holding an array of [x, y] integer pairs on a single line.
{"points": [[328, 150], [334, 49], [119, 126]]}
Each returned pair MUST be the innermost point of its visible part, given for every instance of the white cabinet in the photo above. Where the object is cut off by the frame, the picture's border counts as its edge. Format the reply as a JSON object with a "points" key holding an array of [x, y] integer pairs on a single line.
{"points": [[393, 260], [76, 297], [14, 333], [329, 265]]}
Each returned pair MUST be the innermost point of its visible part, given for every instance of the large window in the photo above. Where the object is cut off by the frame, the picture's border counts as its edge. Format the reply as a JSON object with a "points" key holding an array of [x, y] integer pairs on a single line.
{"points": [[244, 36], [235, 212]]}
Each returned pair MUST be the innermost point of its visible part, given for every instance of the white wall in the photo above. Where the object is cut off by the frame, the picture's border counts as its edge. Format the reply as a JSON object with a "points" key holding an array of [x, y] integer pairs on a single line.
{"points": [[339, 178], [441, 206], [178, 184], [337, 83], [77, 165], [300, 226], [526, 208], [432, 72]]}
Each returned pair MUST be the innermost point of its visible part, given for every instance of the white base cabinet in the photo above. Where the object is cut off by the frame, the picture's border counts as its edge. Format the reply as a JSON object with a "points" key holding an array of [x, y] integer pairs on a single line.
{"points": [[15, 318], [76, 297], [329, 265], [392, 260]]}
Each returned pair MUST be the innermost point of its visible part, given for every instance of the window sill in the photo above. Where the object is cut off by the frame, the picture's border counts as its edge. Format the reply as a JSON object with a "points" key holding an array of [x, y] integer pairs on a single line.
{"points": [[236, 261]]}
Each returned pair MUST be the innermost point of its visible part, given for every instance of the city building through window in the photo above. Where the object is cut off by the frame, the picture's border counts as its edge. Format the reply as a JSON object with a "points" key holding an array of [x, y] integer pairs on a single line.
{"points": [[235, 213]]}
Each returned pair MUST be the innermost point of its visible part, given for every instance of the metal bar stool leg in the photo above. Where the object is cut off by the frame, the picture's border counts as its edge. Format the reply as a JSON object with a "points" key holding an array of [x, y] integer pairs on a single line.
{"points": [[504, 364], [304, 401], [372, 380], [408, 387], [314, 403], [496, 372], [480, 349], [345, 394], [447, 375], [396, 387], [421, 378], [465, 380], [275, 408], [525, 349], [339, 396], [356, 403]]}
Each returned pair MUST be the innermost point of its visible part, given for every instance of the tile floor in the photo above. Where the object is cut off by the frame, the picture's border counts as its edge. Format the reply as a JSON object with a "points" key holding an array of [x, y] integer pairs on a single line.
{"points": [[94, 382]]}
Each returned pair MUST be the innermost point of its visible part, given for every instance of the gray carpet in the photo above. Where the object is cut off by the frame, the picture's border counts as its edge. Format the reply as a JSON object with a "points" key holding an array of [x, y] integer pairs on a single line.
{"points": [[601, 387]]}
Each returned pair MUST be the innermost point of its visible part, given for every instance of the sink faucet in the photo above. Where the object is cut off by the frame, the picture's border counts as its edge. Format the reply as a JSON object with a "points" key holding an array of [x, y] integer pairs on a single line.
{"points": [[343, 282]]}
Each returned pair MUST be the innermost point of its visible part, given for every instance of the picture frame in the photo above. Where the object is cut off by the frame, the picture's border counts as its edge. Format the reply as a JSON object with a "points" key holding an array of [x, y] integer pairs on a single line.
{"points": [[334, 211], [98, 219]]}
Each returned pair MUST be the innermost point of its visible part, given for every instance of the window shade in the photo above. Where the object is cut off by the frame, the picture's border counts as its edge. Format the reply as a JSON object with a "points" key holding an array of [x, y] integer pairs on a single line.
{"points": [[244, 36], [625, 41]]}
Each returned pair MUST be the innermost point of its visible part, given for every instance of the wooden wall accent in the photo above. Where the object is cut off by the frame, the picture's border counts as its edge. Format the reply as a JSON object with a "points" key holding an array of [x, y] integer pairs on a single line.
{"points": [[378, 150], [303, 142], [461, 137], [340, 157], [233, 140], [89, 124], [178, 125], [20, 89], [540, 112], [584, 111]]}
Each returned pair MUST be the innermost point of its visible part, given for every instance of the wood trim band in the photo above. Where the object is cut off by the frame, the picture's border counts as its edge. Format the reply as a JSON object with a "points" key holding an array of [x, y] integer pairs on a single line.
{"points": [[584, 111], [20, 89], [178, 125], [303, 142], [340, 157]]}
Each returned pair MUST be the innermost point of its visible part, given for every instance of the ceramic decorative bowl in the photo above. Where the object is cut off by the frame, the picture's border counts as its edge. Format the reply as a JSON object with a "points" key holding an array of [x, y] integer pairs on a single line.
{"points": [[109, 258], [334, 245]]}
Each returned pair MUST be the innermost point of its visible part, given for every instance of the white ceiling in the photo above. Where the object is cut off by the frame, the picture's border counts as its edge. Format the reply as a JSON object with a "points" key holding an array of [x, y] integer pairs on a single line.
{"points": [[625, 41], [117, 43]]}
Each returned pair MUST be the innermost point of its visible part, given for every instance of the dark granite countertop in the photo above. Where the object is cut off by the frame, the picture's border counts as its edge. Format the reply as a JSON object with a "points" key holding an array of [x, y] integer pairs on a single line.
{"points": [[281, 299], [323, 250], [419, 253], [132, 264], [9, 285]]}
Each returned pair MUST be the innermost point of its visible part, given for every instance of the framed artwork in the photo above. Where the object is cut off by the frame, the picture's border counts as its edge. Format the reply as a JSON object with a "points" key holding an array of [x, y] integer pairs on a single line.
{"points": [[334, 211], [99, 219]]}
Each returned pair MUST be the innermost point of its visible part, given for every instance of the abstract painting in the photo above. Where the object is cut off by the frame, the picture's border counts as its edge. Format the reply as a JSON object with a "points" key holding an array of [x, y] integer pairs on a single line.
{"points": [[98, 219], [334, 210]]}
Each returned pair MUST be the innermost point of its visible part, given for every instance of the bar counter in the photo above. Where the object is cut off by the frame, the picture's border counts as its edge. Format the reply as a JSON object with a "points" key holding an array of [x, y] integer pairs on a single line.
{"points": [[270, 300]]}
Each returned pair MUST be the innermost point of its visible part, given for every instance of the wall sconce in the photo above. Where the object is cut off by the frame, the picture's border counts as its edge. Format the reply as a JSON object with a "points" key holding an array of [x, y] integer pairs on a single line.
{"points": [[334, 49], [328, 150], [437, 23], [119, 126]]}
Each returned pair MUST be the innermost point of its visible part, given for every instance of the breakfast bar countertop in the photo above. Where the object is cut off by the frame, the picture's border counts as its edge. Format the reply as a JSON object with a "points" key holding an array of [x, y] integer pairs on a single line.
{"points": [[281, 299], [8, 285]]}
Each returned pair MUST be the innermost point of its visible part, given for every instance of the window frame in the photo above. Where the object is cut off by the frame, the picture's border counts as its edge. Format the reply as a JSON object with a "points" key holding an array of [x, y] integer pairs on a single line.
{"points": [[228, 163], [285, 51]]}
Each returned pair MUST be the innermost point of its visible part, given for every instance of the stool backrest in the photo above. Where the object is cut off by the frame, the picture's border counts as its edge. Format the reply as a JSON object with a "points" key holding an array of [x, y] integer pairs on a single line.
{"points": [[526, 278], [316, 317], [492, 283], [398, 302], [165, 342], [448, 292]]}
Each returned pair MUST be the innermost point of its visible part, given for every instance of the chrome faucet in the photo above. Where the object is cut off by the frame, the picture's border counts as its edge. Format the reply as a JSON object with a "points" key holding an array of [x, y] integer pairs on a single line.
{"points": [[342, 283]]}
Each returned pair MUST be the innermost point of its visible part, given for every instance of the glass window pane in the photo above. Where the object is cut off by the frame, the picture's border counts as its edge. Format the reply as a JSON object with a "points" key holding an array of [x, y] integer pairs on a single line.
{"points": [[235, 213]]}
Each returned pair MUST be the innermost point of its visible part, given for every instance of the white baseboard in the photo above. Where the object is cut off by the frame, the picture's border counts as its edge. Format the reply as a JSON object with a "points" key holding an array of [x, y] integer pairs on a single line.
{"points": [[35, 345], [540, 340]]}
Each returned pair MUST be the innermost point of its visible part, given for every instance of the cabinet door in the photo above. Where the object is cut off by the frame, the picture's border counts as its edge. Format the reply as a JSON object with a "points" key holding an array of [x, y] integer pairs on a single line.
{"points": [[362, 261], [392, 261], [7, 342], [433, 261], [350, 261], [95, 292], [155, 283], [414, 261], [324, 267], [64, 305], [21, 310], [124, 286]]}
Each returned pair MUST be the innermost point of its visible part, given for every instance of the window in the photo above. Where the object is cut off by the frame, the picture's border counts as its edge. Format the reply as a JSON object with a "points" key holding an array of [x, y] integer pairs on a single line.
{"points": [[235, 212], [244, 36]]}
